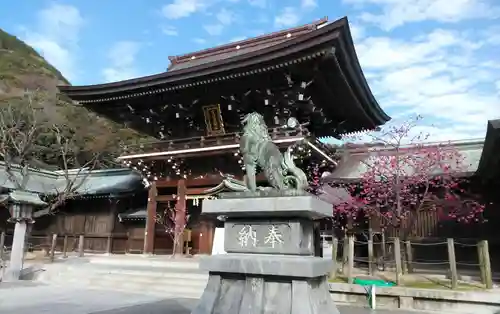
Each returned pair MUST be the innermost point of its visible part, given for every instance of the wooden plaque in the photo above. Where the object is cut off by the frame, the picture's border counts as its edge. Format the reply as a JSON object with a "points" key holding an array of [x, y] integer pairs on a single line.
{"points": [[213, 120]]}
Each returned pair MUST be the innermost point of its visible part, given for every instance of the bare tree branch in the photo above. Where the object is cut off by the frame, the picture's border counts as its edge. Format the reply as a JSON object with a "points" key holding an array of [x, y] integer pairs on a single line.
{"points": [[30, 137]]}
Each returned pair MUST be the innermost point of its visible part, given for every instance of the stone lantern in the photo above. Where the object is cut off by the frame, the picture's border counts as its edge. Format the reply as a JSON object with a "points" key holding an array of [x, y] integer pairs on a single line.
{"points": [[20, 212], [21, 205]]}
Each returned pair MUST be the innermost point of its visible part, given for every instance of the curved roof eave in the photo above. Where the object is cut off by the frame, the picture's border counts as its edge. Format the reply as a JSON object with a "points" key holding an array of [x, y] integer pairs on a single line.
{"points": [[374, 108], [321, 36], [487, 168], [307, 41]]}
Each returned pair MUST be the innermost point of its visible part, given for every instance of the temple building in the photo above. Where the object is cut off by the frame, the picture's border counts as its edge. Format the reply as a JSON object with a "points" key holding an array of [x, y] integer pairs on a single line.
{"points": [[306, 81], [91, 211], [476, 168]]}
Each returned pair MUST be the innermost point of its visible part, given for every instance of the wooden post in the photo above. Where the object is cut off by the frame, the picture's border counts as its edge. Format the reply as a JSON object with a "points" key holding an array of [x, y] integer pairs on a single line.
{"points": [[384, 250], [111, 226], [53, 247], [371, 263], [371, 254], [335, 247], [109, 244], [48, 243], [187, 239], [2, 244], [149, 232], [397, 259], [81, 241], [488, 280], [180, 216], [65, 247], [453, 263], [409, 257], [350, 266], [480, 259], [345, 254]]}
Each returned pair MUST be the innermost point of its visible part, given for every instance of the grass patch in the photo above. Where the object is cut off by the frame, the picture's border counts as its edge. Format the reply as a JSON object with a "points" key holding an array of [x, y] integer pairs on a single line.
{"points": [[427, 283], [338, 279]]}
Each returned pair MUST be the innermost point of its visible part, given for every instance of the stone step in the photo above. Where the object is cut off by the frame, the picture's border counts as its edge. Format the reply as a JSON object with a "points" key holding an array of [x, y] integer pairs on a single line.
{"points": [[166, 282], [141, 271], [156, 262], [143, 284], [165, 291], [171, 279], [148, 268]]}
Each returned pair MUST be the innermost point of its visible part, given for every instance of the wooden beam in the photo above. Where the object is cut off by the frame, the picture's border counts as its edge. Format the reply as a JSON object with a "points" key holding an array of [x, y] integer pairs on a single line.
{"points": [[196, 191], [149, 234], [165, 198], [207, 182]]}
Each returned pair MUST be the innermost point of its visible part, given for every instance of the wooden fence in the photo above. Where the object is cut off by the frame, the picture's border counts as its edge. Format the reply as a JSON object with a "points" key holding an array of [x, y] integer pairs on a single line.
{"points": [[402, 257]]}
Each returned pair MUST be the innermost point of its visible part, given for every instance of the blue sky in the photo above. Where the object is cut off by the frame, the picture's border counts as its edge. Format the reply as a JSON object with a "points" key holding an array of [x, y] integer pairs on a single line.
{"points": [[420, 56]]}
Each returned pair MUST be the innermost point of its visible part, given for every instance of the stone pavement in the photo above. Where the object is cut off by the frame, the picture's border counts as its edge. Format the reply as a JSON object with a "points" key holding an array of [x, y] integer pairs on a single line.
{"points": [[37, 298]]}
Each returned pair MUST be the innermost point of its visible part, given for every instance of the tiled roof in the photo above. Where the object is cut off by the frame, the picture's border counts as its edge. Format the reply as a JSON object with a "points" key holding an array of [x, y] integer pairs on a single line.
{"points": [[108, 181], [241, 47], [355, 162]]}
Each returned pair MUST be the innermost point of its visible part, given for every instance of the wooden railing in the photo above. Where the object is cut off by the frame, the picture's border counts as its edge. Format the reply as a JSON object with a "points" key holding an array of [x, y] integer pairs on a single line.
{"points": [[203, 141]]}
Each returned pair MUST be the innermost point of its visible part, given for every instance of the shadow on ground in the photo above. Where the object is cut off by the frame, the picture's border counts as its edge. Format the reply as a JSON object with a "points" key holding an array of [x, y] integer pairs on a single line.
{"points": [[168, 306]]}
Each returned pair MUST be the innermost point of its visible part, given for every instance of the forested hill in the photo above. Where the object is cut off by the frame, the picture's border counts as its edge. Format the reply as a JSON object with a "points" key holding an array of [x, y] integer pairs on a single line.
{"points": [[22, 69]]}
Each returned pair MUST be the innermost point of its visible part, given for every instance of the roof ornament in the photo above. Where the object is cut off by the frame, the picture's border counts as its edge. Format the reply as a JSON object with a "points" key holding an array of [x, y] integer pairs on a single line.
{"points": [[258, 150]]}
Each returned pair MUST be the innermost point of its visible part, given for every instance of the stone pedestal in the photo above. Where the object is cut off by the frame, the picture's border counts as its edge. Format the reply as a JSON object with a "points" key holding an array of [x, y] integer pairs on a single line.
{"points": [[270, 265]]}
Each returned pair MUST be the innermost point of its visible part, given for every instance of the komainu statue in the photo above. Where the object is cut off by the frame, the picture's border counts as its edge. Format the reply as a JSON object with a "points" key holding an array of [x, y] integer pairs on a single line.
{"points": [[258, 149]]}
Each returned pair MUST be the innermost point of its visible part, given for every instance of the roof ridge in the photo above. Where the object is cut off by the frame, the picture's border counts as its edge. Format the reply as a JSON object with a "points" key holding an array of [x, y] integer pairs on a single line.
{"points": [[247, 42]]}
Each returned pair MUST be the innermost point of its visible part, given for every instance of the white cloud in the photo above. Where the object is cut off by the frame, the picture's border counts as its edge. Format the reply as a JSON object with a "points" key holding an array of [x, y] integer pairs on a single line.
{"points": [[258, 3], [384, 52], [308, 4], [56, 37], [182, 8], [287, 18], [224, 18], [213, 29], [440, 75], [199, 41], [240, 38], [493, 35], [396, 13], [357, 32], [169, 30], [122, 56]]}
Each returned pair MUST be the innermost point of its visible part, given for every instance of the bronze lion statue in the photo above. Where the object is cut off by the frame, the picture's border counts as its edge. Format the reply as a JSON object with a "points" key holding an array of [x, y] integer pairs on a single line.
{"points": [[258, 149]]}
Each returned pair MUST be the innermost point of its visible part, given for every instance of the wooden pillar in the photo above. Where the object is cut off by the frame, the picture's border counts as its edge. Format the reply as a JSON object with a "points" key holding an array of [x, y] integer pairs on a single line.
{"points": [[180, 215], [206, 237], [111, 224], [149, 230]]}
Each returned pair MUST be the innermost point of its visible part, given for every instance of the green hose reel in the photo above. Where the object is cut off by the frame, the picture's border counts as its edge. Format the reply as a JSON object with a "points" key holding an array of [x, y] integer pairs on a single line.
{"points": [[370, 285]]}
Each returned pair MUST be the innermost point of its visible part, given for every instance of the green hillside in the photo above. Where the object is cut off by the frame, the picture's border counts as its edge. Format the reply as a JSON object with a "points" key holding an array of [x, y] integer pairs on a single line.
{"points": [[22, 69]]}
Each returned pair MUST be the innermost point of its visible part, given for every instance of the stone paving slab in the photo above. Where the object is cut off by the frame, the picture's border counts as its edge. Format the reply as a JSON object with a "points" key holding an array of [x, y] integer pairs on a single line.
{"points": [[36, 298]]}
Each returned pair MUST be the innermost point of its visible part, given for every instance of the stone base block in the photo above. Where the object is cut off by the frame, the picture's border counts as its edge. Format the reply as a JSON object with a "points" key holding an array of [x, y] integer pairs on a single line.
{"points": [[240, 294], [267, 265]]}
